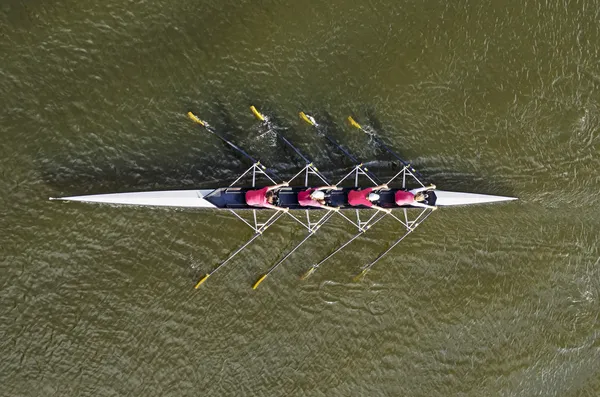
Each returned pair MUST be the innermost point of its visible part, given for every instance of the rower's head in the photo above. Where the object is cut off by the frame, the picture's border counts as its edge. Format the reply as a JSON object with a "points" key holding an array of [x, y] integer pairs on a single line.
{"points": [[420, 196], [318, 196], [270, 197], [373, 197]]}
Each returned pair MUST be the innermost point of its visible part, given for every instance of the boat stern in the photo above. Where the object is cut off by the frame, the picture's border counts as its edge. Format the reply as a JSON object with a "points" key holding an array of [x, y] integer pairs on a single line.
{"points": [[446, 198]]}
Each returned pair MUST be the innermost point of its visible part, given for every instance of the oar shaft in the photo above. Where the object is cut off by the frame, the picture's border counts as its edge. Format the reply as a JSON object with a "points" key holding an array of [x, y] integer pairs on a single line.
{"points": [[212, 131], [312, 122], [396, 243], [289, 253], [314, 229], [284, 139], [366, 227], [351, 157], [388, 250], [208, 128], [340, 248], [257, 235], [384, 146], [265, 120], [390, 151], [347, 153]]}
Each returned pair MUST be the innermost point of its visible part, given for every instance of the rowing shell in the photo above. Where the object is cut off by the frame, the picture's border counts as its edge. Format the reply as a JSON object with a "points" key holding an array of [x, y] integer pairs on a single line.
{"points": [[233, 198]]}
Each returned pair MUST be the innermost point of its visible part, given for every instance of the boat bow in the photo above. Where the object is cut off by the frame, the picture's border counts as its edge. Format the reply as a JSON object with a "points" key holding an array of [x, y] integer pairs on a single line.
{"points": [[445, 198], [166, 198]]}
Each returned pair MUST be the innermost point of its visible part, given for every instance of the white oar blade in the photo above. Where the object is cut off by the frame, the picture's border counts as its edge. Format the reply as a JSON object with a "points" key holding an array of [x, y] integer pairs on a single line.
{"points": [[445, 198], [166, 198]]}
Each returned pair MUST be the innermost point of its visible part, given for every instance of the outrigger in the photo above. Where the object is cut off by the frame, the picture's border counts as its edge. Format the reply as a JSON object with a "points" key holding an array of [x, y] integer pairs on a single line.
{"points": [[232, 197]]}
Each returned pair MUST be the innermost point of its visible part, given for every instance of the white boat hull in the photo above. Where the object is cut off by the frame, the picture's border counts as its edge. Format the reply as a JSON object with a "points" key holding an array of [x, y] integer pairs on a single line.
{"points": [[164, 198], [195, 198], [445, 198]]}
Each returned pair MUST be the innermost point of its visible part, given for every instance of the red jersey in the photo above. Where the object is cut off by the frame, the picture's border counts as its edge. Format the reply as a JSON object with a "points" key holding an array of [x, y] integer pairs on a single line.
{"points": [[305, 200], [257, 198], [404, 198], [359, 197]]}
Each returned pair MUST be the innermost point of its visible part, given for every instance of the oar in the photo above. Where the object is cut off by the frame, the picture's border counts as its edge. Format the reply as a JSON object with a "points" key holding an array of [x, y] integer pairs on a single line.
{"points": [[209, 128], [384, 146], [204, 124], [366, 268], [265, 120], [259, 233], [310, 120], [313, 230], [314, 267]]}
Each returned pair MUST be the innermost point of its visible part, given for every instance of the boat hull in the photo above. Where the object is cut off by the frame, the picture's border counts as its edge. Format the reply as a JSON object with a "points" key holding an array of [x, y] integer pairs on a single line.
{"points": [[445, 198], [234, 198], [163, 198]]}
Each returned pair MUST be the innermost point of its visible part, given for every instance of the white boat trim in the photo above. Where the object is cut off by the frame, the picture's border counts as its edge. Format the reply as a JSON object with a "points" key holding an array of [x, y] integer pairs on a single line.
{"points": [[446, 198], [163, 198], [195, 199]]}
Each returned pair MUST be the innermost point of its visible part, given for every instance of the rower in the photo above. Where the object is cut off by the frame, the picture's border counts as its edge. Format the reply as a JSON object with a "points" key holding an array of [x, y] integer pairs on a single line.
{"points": [[367, 197], [264, 197], [414, 197], [315, 197]]}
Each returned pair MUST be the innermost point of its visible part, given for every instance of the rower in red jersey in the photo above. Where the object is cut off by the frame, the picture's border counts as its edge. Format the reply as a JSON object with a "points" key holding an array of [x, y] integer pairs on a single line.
{"points": [[264, 197], [367, 197], [414, 197], [315, 197]]}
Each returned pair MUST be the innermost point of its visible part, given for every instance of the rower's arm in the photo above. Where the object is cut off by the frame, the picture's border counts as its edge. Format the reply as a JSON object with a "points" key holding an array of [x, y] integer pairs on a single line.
{"points": [[277, 186], [274, 207], [384, 186], [378, 208], [326, 187], [422, 189]]}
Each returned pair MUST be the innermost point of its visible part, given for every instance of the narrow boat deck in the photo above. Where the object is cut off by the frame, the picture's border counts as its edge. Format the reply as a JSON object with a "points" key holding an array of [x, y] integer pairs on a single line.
{"points": [[235, 198]]}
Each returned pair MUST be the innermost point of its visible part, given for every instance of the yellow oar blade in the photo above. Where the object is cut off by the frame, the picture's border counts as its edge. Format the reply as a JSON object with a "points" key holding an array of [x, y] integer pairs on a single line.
{"points": [[304, 117], [308, 273], [195, 119], [203, 279], [257, 113], [354, 123], [361, 275], [260, 280]]}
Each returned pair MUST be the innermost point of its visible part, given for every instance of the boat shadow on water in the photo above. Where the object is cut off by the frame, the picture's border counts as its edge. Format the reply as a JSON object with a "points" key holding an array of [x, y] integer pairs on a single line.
{"points": [[444, 178]]}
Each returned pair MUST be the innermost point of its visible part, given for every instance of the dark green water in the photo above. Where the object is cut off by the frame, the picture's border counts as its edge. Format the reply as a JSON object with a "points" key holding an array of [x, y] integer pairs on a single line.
{"points": [[490, 97]]}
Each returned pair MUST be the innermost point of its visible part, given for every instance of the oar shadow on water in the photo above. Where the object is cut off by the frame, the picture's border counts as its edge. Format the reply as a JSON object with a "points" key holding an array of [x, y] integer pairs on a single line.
{"points": [[246, 138], [301, 137], [376, 160], [190, 159], [374, 126], [445, 179], [134, 173]]}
